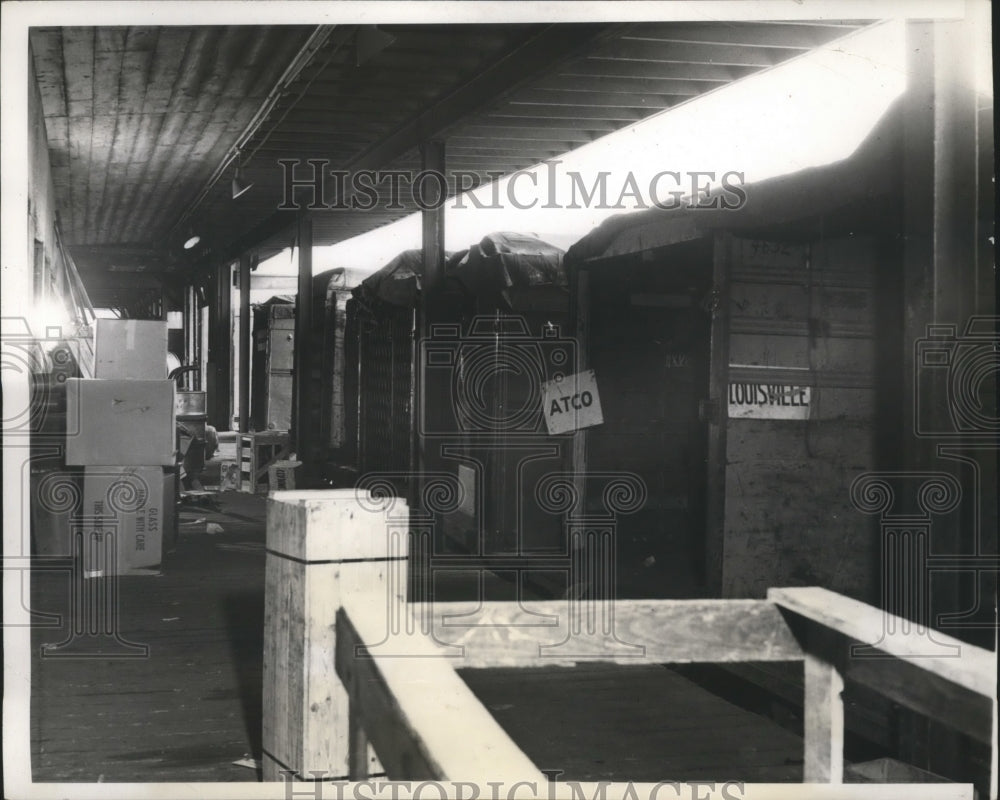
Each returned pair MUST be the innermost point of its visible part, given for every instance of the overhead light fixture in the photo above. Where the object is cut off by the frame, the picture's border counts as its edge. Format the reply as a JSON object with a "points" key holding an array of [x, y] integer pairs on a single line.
{"points": [[239, 185], [192, 240]]}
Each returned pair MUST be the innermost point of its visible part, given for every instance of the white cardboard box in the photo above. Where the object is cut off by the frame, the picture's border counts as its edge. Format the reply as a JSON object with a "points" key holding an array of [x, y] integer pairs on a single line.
{"points": [[120, 422], [127, 509], [130, 349]]}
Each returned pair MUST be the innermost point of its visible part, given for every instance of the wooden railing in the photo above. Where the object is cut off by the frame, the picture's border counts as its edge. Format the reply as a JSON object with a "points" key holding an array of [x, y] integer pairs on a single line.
{"points": [[397, 689]]}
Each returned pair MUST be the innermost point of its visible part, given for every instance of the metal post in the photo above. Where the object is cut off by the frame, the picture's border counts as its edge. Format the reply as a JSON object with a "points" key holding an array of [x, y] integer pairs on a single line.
{"points": [[244, 343], [432, 156], [303, 324], [219, 377], [432, 160]]}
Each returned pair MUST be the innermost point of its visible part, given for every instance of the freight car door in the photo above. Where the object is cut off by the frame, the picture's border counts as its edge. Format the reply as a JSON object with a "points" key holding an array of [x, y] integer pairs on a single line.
{"points": [[649, 348]]}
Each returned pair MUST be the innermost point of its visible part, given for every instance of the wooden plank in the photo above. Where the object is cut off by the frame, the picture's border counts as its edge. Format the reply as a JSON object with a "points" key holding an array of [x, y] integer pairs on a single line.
{"points": [[612, 118], [542, 132], [823, 724], [638, 85], [597, 66], [912, 686], [716, 415], [601, 99], [688, 52], [549, 46], [658, 631], [786, 36], [420, 717], [966, 665]]}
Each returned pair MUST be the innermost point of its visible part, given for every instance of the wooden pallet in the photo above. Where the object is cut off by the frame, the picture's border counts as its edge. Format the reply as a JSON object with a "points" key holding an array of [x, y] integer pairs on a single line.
{"points": [[256, 452]]}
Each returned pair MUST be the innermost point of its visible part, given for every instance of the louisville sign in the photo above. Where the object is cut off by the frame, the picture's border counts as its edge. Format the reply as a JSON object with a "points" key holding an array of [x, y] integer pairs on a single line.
{"points": [[769, 401]]}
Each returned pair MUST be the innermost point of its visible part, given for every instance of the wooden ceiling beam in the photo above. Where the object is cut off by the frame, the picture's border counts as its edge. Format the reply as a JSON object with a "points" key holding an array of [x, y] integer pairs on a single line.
{"points": [[687, 53], [511, 133], [613, 67], [547, 99], [613, 118], [500, 79], [781, 35], [593, 83]]}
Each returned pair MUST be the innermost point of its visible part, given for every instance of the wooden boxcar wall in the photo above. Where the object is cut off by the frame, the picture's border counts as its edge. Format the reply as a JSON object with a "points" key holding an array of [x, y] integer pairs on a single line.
{"points": [[498, 467], [646, 337], [801, 315], [384, 387]]}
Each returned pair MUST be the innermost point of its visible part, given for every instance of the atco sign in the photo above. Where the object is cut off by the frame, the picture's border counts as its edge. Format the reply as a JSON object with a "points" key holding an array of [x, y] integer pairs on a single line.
{"points": [[571, 403]]}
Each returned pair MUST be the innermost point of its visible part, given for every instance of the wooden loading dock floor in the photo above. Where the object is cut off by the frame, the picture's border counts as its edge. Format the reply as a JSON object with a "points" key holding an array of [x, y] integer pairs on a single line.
{"points": [[193, 706]]}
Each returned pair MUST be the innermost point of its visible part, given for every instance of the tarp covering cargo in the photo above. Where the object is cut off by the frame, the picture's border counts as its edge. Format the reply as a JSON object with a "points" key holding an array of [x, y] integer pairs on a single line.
{"points": [[397, 283], [855, 194], [504, 261], [499, 262]]}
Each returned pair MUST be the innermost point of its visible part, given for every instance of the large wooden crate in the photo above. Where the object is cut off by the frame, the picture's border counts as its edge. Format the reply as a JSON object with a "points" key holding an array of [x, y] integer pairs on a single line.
{"points": [[256, 452]]}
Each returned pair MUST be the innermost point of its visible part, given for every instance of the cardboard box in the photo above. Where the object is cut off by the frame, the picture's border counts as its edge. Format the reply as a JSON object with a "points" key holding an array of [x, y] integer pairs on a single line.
{"points": [[55, 500], [120, 422], [130, 349], [281, 475], [229, 476], [124, 514]]}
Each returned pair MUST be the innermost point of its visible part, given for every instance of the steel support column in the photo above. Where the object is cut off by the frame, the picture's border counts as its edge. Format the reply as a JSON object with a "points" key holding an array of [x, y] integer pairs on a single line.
{"points": [[220, 347], [432, 217], [244, 343], [303, 324], [432, 156], [943, 285]]}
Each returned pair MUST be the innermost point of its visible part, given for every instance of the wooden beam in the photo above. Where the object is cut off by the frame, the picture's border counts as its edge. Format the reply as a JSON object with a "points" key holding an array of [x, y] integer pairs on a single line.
{"points": [[545, 132], [667, 631], [714, 414], [637, 85], [287, 284], [539, 52], [597, 65], [956, 662], [418, 714], [244, 343], [687, 53], [794, 37], [276, 223], [913, 687], [613, 118], [823, 723], [581, 301], [220, 347], [301, 360], [613, 99], [432, 155]]}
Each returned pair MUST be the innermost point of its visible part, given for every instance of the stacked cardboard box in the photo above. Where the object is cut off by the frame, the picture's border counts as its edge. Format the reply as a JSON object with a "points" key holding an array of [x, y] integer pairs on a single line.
{"points": [[125, 442]]}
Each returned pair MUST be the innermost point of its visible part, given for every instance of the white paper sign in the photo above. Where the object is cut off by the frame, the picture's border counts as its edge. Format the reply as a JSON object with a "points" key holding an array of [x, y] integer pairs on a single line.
{"points": [[769, 401], [571, 403]]}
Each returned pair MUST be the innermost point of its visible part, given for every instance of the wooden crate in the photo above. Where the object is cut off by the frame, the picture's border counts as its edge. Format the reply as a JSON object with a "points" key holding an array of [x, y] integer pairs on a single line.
{"points": [[256, 452]]}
